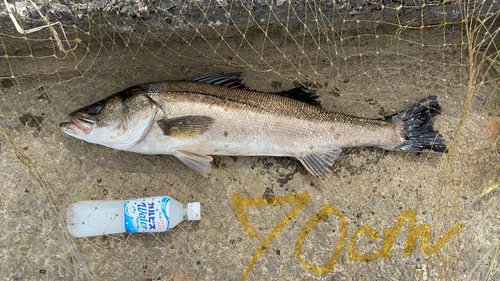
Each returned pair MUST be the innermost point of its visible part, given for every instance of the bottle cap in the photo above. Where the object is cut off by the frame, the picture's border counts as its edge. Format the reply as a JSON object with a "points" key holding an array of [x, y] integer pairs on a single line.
{"points": [[194, 211]]}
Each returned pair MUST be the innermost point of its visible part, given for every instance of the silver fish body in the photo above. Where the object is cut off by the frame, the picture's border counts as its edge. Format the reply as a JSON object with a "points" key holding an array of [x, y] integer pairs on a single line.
{"points": [[212, 115]]}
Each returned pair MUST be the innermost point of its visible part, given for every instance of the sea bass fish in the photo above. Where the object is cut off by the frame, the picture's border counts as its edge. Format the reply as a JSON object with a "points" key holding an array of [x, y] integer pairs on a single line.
{"points": [[216, 115]]}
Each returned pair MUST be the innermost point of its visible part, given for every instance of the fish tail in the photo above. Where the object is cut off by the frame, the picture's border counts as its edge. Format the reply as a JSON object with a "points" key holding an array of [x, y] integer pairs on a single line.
{"points": [[418, 134]]}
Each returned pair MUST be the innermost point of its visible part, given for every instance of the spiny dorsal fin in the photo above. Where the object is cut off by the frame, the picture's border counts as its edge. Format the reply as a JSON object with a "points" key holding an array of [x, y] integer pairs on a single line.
{"points": [[302, 94], [230, 80], [185, 126], [318, 163]]}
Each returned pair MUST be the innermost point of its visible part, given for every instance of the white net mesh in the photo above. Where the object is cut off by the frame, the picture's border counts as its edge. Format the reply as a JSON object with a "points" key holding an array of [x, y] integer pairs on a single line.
{"points": [[365, 58]]}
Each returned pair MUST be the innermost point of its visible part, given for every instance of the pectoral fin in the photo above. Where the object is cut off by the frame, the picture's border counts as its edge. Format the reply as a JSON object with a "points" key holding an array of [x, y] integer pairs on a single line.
{"points": [[318, 163], [186, 126], [196, 157]]}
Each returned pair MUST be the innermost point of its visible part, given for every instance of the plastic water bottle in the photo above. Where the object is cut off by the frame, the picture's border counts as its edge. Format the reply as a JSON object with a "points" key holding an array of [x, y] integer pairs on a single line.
{"points": [[151, 214]]}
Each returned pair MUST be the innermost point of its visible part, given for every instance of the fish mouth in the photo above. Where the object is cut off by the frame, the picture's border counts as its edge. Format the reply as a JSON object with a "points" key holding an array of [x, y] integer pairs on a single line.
{"points": [[85, 119], [79, 126]]}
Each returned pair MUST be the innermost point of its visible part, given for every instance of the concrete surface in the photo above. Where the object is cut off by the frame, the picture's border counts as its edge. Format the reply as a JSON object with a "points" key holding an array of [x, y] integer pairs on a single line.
{"points": [[344, 228], [183, 15]]}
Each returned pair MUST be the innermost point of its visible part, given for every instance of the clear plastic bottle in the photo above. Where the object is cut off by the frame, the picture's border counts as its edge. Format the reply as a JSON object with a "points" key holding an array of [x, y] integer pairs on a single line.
{"points": [[151, 214]]}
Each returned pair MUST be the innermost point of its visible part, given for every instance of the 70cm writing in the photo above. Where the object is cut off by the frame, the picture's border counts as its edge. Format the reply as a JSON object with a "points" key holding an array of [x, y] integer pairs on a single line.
{"points": [[415, 232]]}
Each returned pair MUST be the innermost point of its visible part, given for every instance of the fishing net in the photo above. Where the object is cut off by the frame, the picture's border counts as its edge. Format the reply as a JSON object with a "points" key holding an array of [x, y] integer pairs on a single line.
{"points": [[379, 215]]}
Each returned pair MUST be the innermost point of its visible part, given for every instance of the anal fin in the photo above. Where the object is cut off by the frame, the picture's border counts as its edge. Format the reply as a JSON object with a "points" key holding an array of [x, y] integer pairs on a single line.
{"points": [[318, 163], [197, 157]]}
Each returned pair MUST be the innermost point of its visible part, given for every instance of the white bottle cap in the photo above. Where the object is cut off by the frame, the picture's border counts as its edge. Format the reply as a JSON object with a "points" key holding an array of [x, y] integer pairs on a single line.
{"points": [[194, 211]]}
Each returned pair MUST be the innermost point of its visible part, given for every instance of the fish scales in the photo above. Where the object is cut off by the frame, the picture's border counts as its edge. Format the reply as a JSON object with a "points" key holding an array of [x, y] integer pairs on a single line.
{"points": [[254, 122]]}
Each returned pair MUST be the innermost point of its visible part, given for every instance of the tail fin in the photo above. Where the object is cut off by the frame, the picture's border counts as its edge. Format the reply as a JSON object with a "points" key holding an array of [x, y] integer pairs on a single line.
{"points": [[418, 132]]}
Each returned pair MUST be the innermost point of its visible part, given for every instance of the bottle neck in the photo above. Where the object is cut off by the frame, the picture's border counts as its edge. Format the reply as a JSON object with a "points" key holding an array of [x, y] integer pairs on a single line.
{"points": [[184, 212]]}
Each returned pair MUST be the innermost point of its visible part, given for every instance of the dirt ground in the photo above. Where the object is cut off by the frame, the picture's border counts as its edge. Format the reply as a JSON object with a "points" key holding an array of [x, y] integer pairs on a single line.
{"points": [[380, 216]]}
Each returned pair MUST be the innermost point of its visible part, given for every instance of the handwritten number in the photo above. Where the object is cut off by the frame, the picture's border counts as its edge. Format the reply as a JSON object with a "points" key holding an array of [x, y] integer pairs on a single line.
{"points": [[240, 202], [306, 229]]}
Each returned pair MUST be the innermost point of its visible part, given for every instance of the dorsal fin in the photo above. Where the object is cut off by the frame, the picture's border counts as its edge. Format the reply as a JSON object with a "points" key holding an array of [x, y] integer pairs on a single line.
{"points": [[302, 94], [230, 80]]}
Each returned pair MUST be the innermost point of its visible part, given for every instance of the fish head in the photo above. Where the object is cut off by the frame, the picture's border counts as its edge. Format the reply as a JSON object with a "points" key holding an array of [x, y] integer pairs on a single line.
{"points": [[119, 121]]}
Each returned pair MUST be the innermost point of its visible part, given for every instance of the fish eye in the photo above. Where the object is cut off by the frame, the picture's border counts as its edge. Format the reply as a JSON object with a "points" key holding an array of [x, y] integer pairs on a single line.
{"points": [[95, 108]]}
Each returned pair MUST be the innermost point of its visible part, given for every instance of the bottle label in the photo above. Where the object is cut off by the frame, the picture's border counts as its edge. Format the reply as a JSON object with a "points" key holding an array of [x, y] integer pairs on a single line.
{"points": [[147, 214]]}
